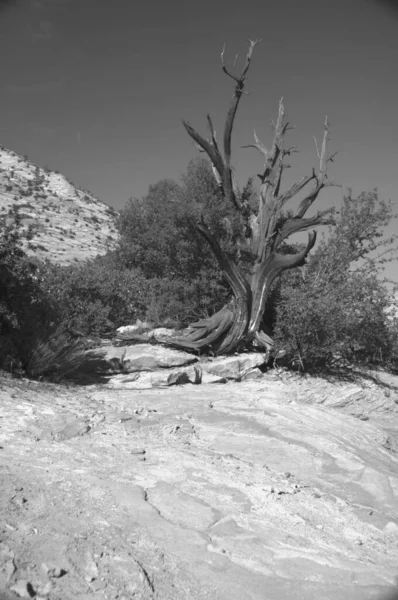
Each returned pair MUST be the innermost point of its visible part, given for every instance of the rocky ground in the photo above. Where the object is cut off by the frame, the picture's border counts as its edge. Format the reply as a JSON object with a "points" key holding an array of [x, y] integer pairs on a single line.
{"points": [[282, 487]]}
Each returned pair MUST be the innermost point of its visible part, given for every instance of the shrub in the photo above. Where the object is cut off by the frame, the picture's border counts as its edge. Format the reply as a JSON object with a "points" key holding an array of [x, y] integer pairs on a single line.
{"points": [[158, 235], [55, 355], [24, 309], [337, 307], [97, 296]]}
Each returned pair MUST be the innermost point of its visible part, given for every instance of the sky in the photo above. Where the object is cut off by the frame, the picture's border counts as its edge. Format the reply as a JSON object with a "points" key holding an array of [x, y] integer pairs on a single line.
{"points": [[97, 88]]}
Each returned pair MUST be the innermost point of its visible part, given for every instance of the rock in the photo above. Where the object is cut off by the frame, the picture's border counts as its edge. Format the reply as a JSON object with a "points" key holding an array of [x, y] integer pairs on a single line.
{"points": [[144, 357], [255, 373], [234, 367], [7, 570], [131, 359], [391, 528], [210, 378], [52, 570], [162, 378], [130, 331], [163, 333], [90, 568], [23, 589], [71, 430]]}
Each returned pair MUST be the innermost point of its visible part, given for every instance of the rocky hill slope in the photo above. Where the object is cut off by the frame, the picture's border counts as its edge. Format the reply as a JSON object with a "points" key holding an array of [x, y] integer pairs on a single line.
{"points": [[70, 224]]}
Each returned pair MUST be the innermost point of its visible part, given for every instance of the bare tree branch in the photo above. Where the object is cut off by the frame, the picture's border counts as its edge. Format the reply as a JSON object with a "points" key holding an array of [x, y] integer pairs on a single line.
{"points": [[296, 188], [212, 133], [239, 87], [258, 145], [210, 150], [294, 225], [321, 177]]}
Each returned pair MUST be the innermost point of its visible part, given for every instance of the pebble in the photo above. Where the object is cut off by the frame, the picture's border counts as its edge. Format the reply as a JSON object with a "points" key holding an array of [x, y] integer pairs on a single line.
{"points": [[391, 527], [23, 589], [53, 570]]}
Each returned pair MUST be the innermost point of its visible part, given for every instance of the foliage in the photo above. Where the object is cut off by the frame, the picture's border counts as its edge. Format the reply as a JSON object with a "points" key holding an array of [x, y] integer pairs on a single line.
{"points": [[337, 306], [158, 235], [56, 355], [95, 297], [24, 311]]}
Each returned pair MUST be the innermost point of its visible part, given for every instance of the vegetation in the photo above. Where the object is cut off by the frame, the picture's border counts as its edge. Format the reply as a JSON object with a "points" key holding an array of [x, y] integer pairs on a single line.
{"points": [[202, 249], [338, 307], [24, 311]]}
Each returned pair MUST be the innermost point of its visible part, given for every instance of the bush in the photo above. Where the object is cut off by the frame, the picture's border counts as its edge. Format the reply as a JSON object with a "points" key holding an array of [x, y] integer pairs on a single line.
{"points": [[24, 309], [97, 296], [56, 355], [337, 307], [158, 235]]}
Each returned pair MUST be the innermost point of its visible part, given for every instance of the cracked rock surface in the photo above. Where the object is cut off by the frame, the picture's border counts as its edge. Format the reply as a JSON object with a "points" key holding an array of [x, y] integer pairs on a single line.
{"points": [[267, 489]]}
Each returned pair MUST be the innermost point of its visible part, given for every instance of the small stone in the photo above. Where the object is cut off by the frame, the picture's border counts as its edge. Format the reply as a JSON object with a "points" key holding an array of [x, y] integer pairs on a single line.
{"points": [[20, 501], [6, 552], [23, 589], [74, 429], [359, 542], [287, 475], [52, 570], [98, 584], [269, 489], [91, 569], [44, 590], [7, 570], [391, 527]]}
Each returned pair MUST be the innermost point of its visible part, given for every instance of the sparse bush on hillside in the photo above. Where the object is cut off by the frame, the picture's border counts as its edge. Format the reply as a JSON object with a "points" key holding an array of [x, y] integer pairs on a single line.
{"points": [[337, 306]]}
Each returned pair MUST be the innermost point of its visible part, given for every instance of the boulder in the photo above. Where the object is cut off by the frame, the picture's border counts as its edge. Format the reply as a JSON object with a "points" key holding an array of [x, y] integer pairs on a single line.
{"points": [[144, 357], [143, 333], [253, 374], [210, 378], [140, 357], [234, 367], [126, 330], [163, 333], [163, 378]]}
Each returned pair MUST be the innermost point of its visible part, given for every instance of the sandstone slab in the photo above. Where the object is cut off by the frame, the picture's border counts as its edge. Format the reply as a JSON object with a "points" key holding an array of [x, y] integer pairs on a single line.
{"points": [[234, 367], [131, 359]]}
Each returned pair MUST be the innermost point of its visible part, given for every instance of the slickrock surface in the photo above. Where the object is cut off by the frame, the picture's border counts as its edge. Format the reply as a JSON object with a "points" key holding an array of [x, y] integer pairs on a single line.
{"points": [[275, 488]]}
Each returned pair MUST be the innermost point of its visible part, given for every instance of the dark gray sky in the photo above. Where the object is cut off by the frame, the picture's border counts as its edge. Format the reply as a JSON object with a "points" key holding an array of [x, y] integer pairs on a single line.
{"points": [[97, 88]]}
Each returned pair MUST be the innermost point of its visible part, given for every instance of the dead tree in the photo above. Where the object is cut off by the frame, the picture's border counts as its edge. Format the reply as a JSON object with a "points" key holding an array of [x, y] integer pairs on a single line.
{"points": [[238, 324]]}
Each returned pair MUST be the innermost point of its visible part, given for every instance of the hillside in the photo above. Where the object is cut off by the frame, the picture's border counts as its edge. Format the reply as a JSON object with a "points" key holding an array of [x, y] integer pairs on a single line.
{"points": [[70, 224]]}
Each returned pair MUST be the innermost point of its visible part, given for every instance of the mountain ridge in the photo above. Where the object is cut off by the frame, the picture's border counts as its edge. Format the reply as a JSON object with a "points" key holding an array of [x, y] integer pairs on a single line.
{"points": [[69, 223]]}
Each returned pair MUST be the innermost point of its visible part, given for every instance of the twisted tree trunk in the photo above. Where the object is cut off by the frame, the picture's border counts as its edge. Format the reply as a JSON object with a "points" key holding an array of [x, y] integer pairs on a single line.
{"points": [[238, 324]]}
